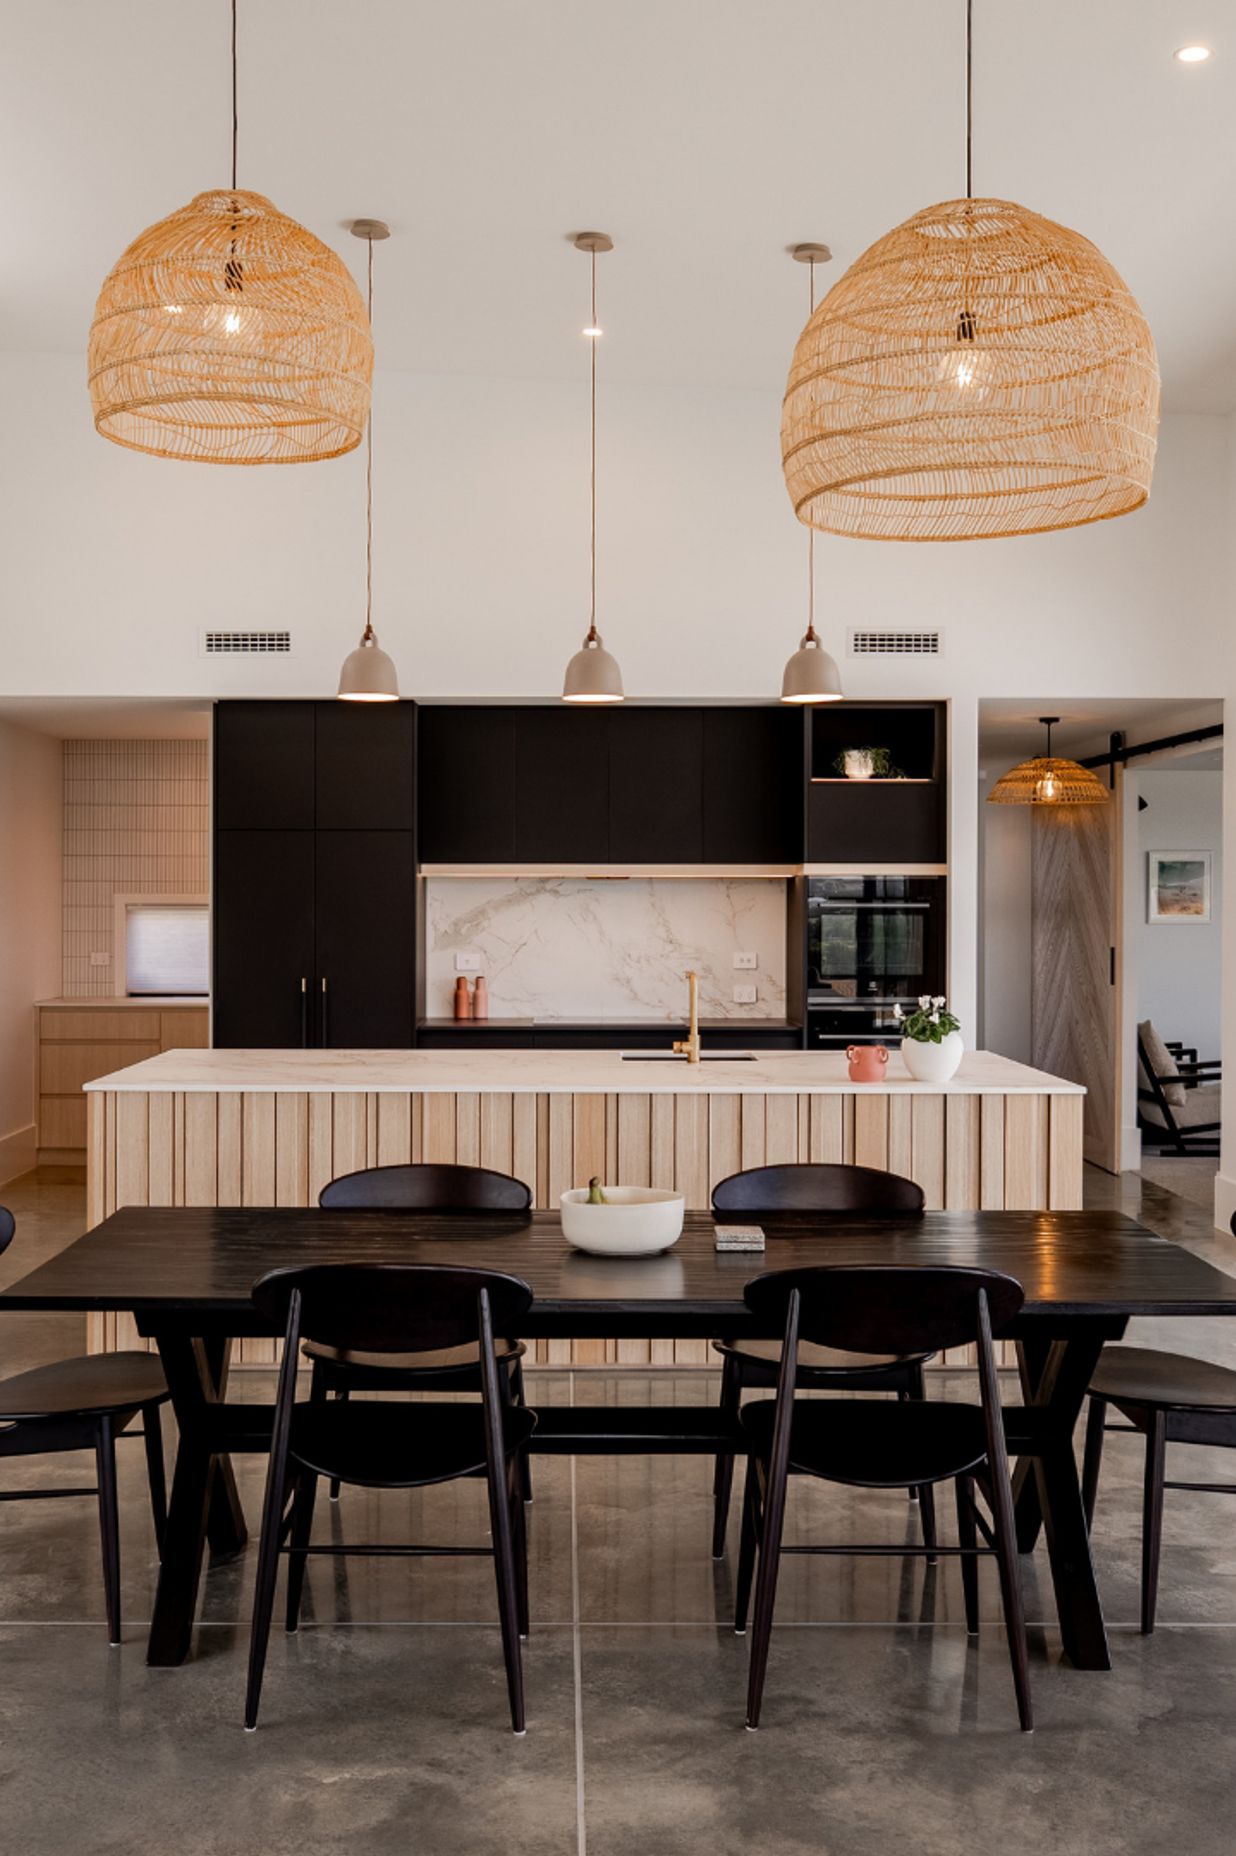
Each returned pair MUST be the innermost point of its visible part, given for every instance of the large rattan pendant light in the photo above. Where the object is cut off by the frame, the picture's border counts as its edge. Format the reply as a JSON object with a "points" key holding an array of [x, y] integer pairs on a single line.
{"points": [[368, 674], [592, 674], [979, 371], [811, 675], [1048, 781], [228, 334]]}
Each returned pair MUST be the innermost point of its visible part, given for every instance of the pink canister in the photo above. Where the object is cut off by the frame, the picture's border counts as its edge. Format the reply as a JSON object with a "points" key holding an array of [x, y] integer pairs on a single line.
{"points": [[867, 1062]]}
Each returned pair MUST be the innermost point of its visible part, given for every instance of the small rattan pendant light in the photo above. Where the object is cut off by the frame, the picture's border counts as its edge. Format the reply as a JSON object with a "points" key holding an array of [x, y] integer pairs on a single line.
{"points": [[811, 675], [592, 674], [1048, 781], [368, 674], [228, 334], [979, 371]]}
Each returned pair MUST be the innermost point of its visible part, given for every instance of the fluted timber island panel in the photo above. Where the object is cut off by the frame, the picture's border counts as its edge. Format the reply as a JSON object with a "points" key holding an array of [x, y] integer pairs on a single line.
{"points": [[967, 1150]]}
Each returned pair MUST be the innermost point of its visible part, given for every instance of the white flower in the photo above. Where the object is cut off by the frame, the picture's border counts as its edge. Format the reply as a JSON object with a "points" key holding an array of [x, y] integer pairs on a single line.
{"points": [[939, 1003], [934, 1019], [898, 1014], [924, 1001]]}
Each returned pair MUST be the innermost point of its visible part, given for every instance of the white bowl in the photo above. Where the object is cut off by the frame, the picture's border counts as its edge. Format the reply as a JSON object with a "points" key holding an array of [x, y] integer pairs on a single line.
{"points": [[635, 1221]]}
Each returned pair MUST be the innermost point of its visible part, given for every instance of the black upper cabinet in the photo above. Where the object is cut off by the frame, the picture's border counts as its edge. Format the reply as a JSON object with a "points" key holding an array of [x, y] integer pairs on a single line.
{"points": [[895, 818], [263, 939], [365, 923], [365, 764], [656, 786], [264, 753], [466, 785], [753, 786], [561, 786]]}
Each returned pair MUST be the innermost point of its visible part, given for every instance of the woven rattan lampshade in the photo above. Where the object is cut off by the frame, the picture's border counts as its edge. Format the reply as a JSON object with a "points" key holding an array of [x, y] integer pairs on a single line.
{"points": [[229, 334], [979, 371], [1048, 781]]}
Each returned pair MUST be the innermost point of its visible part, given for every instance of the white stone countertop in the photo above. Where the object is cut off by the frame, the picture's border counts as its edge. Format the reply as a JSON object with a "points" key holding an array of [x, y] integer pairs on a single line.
{"points": [[563, 1072]]}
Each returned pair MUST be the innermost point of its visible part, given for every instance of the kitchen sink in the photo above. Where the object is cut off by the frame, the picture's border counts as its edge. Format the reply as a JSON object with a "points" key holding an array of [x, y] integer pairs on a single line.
{"points": [[676, 1056]]}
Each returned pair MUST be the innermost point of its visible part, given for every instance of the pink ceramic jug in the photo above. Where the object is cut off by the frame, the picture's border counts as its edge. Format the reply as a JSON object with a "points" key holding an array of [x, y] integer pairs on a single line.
{"points": [[867, 1062]]}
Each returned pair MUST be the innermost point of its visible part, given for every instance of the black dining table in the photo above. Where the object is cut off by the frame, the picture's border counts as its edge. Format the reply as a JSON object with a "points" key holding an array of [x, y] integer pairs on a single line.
{"points": [[186, 1275]]}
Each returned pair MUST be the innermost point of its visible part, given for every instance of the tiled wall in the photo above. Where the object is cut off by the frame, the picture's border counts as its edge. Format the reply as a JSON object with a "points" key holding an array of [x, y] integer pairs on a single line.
{"points": [[135, 822]]}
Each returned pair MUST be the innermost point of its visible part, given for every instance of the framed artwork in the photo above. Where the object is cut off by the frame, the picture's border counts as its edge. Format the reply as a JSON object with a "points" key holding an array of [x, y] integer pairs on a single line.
{"points": [[1178, 887]]}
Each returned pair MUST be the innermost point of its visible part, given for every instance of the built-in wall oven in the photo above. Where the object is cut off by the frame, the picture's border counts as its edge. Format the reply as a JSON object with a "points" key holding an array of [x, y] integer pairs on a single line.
{"points": [[872, 942]]}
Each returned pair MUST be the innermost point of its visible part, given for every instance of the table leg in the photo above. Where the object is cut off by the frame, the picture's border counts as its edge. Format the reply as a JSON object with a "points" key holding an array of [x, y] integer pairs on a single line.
{"points": [[203, 1495], [1033, 1352], [1060, 1391], [225, 1524]]}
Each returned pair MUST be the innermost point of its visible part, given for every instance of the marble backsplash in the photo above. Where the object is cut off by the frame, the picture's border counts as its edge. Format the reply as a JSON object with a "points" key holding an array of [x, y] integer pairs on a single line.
{"points": [[566, 947]]}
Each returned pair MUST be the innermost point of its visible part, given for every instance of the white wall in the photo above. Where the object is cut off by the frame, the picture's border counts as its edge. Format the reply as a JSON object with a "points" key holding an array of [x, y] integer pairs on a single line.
{"points": [[30, 830], [1177, 967], [116, 562]]}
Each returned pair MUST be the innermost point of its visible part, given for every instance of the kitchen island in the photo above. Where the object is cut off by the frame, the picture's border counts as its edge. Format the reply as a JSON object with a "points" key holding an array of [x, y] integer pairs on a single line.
{"points": [[270, 1127]]}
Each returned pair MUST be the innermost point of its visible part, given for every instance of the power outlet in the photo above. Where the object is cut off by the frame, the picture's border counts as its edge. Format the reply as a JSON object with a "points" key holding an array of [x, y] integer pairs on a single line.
{"points": [[746, 962], [467, 963], [745, 995], [100, 960]]}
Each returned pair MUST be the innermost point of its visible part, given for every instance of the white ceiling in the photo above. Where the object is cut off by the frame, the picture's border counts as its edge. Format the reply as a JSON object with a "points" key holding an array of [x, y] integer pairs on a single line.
{"points": [[1009, 729], [704, 135]]}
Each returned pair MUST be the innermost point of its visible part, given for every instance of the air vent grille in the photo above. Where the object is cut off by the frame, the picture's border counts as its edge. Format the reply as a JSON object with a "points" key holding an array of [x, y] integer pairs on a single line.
{"points": [[895, 644], [233, 644]]}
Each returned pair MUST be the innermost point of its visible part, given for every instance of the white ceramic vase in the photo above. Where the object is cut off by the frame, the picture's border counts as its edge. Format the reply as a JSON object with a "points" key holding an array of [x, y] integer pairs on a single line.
{"points": [[933, 1063]]}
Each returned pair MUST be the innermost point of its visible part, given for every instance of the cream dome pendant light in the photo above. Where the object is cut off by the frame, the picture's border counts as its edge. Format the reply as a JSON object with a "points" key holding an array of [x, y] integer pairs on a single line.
{"points": [[1048, 781], [979, 371], [228, 334], [592, 674], [811, 675], [368, 674]]}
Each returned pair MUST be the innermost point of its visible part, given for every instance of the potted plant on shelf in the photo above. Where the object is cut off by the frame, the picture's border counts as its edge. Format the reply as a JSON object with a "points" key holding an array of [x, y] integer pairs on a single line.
{"points": [[931, 1040]]}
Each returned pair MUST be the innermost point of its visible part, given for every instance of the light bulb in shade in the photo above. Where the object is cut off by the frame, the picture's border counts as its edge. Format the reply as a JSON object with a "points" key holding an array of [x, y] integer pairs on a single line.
{"points": [[1192, 54], [174, 309], [231, 322], [965, 366], [1046, 791]]}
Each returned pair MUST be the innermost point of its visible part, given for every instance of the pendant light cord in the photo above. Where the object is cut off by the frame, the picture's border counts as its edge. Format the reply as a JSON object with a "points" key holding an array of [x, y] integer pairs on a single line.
{"points": [[592, 469], [810, 637], [369, 478], [235, 110], [969, 99]]}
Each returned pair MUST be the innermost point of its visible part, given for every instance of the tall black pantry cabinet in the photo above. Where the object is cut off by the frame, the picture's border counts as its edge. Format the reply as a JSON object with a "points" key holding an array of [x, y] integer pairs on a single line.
{"points": [[314, 922]]}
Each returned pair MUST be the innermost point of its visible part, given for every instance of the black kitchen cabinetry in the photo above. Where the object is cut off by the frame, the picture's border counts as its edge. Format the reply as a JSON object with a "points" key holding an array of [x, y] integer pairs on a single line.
{"points": [[753, 786], [677, 786], [740, 1035], [314, 906], [880, 820], [466, 786], [656, 786]]}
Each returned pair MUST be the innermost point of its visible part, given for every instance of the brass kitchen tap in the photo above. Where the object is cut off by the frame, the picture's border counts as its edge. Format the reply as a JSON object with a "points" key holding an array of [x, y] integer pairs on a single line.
{"points": [[690, 1045]]}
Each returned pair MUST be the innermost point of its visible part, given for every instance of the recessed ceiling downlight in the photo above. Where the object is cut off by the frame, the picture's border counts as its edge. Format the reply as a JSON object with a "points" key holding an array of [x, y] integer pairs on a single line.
{"points": [[1192, 54]]}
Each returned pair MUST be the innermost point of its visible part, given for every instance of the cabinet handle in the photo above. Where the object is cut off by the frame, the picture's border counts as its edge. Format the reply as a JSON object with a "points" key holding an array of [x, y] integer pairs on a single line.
{"points": [[304, 1012], [325, 1030]]}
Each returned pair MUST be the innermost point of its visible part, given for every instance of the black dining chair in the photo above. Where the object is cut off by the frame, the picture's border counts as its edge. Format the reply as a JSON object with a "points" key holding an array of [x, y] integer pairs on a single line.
{"points": [[86, 1404], [1169, 1398], [392, 1443], [422, 1187], [876, 1443], [810, 1195]]}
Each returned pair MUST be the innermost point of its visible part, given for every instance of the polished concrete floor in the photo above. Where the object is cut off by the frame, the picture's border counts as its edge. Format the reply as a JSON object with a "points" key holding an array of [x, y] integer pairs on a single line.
{"points": [[384, 1725]]}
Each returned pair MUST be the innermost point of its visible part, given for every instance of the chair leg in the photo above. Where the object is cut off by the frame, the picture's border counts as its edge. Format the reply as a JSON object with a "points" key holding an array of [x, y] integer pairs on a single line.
{"points": [[524, 1459], [1096, 1418], [152, 1429], [1152, 1516], [508, 1589], [343, 1395], [302, 1527], [109, 1523], [765, 1592], [925, 1496], [1005, 1530], [967, 1535], [519, 1537], [723, 1472], [264, 1592], [746, 1550]]}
